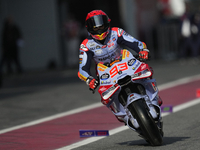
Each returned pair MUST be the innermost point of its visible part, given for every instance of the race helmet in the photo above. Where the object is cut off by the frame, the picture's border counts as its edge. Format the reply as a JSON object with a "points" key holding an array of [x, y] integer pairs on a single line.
{"points": [[98, 24]]}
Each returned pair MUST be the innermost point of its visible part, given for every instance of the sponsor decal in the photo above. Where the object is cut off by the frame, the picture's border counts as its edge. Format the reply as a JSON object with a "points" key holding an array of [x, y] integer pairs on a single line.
{"points": [[97, 47], [112, 47], [102, 133], [102, 89], [125, 54], [92, 48], [136, 65], [104, 46], [136, 75], [83, 47], [143, 66], [98, 52], [112, 88], [81, 57], [101, 67], [91, 44], [105, 82], [105, 76], [131, 62], [90, 133], [114, 39], [111, 44]]}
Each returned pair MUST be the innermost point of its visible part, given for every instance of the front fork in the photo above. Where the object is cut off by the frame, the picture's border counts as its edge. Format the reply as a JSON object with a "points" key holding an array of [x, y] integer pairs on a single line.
{"points": [[154, 110], [123, 114]]}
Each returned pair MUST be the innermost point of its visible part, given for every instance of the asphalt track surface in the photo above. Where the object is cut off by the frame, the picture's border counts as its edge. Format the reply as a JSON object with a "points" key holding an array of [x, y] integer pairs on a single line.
{"points": [[36, 95]]}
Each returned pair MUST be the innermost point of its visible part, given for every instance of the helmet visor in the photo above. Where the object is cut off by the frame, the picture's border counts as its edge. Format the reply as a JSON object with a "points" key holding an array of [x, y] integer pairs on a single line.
{"points": [[96, 21]]}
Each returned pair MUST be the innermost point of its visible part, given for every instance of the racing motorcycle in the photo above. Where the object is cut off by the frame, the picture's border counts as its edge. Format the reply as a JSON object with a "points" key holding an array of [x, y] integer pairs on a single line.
{"points": [[129, 91]]}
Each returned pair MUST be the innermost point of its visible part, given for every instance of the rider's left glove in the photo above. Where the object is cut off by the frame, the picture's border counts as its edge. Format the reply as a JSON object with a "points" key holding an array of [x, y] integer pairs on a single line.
{"points": [[93, 83], [144, 54]]}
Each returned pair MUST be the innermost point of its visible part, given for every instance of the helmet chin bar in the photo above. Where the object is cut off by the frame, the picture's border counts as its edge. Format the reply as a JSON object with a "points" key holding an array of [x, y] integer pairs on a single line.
{"points": [[100, 36]]}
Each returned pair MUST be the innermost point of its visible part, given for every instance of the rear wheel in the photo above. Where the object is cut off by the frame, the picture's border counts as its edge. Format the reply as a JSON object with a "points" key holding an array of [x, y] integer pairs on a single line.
{"points": [[148, 127]]}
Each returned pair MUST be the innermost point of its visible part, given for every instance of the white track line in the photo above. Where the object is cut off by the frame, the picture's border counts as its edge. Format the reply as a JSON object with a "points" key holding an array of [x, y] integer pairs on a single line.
{"points": [[179, 82], [74, 111], [161, 87]]}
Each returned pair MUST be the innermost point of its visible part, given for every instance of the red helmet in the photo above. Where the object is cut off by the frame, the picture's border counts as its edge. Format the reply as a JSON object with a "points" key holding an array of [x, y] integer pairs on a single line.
{"points": [[98, 24]]}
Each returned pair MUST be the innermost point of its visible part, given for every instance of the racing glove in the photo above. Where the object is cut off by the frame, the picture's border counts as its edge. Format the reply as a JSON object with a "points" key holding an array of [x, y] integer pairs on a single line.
{"points": [[144, 54], [92, 83]]}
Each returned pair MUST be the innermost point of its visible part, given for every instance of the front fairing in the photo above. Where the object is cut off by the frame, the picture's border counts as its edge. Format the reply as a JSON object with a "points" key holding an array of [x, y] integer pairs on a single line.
{"points": [[127, 66]]}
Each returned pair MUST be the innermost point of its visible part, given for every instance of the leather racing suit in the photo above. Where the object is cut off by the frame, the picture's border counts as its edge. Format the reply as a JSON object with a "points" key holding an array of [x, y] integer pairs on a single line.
{"points": [[106, 53]]}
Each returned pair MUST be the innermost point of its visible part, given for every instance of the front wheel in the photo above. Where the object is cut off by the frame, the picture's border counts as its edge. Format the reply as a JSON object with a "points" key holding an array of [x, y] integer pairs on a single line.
{"points": [[150, 131]]}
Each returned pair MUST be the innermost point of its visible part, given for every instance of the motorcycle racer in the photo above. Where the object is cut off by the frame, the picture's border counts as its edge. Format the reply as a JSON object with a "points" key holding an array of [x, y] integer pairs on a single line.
{"points": [[104, 44]]}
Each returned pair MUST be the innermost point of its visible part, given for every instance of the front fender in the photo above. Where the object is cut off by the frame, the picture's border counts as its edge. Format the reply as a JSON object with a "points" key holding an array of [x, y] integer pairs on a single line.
{"points": [[135, 96]]}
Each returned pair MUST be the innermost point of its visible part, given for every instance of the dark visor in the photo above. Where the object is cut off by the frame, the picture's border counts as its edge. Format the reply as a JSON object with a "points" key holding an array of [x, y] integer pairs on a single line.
{"points": [[97, 21]]}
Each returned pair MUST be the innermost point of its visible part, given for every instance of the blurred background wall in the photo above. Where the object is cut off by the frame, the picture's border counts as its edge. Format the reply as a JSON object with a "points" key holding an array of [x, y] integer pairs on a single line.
{"points": [[38, 22], [53, 29]]}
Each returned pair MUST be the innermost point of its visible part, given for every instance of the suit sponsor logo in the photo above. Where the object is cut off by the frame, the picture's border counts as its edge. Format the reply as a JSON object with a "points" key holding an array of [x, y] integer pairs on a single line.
{"points": [[91, 44], [98, 52], [114, 39], [98, 47], [104, 46], [83, 47]]}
